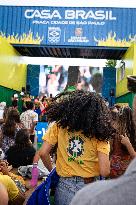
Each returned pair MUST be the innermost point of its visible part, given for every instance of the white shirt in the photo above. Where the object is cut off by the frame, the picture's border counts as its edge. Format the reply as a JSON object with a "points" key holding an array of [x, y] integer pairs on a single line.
{"points": [[28, 117]]}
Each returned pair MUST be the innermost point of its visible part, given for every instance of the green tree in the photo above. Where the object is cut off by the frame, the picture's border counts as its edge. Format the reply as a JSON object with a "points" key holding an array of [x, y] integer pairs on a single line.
{"points": [[111, 63]]}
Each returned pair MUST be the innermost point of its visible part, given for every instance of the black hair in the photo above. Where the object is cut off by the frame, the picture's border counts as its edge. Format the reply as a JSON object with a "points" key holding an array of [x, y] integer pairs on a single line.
{"points": [[15, 103], [61, 95], [22, 139], [29, 105], [82, 111], [12, 118], [43, 98], [50, 95]]}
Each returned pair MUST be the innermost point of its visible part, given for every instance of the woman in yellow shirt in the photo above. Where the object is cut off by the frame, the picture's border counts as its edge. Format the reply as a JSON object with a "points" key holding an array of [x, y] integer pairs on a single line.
{"points": [[15, 197], [82, 128]]}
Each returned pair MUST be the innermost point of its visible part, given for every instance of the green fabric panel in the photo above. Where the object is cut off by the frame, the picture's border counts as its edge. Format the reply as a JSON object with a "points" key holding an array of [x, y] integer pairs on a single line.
{"points": [[127, 98], [6, 95]]}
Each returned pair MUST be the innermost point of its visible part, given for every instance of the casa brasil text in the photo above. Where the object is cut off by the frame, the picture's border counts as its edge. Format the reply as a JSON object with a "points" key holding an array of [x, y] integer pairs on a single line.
{"points": [[69, 15]]}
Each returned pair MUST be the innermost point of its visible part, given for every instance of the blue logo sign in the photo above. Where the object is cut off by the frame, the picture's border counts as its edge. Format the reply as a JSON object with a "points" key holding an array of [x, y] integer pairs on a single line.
{"points": [[54, 34], [68, 26], [40, 129]]}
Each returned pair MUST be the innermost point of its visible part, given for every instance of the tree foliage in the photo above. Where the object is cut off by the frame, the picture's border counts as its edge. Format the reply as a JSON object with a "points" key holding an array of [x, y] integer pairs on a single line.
{"points": [[111, 63]]}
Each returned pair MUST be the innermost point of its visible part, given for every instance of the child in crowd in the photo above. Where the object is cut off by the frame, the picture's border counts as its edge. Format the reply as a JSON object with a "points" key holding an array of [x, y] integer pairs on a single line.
{"points": [[22, 152]]}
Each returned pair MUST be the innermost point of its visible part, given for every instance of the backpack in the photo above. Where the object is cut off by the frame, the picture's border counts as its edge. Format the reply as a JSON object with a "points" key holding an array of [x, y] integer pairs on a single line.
{"points": [[41, 195]]}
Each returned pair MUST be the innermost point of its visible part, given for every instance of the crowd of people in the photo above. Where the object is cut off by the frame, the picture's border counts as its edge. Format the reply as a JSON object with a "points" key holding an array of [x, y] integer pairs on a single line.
{"points": [[17, 138], [92, 144]]}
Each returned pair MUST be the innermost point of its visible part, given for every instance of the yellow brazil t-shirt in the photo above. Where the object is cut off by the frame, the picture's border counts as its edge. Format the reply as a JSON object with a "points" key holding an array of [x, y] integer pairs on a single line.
{"points": [[10, 186], [76, 154]]}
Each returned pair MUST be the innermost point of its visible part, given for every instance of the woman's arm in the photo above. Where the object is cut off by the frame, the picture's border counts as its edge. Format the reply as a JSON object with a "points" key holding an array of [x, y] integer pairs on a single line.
{"points": [[3, 195], [14, 195], [44, 153], [104, 164], [125, 141], [19, 200]]}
